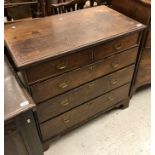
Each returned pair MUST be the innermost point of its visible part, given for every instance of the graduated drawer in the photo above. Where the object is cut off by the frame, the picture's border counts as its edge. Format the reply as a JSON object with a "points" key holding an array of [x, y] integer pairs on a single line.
{"points": [[82, 113], [115, 46], [60, 84], [53, 67], [73, 98]]}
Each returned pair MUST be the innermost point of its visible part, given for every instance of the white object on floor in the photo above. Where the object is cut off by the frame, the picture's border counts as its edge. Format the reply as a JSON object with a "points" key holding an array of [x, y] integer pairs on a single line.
{"points": [[118, 132]]}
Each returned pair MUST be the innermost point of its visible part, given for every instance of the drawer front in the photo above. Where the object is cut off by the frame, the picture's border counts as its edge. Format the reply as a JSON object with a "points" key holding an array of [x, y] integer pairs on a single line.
{"points": [[64, 102], [59, 65], [144, 70], [54, 86], [115, 46], [80, 114]]}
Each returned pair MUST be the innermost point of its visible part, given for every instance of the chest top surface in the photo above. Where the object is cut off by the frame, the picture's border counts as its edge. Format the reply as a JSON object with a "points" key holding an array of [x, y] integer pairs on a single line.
{"points": [[16, 100], [40, 39]]}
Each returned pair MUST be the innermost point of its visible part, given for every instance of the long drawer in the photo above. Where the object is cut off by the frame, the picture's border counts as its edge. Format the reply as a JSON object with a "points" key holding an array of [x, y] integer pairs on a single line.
{"points": [[64, 102], [54, 67], [69, 119], [54, 86]]}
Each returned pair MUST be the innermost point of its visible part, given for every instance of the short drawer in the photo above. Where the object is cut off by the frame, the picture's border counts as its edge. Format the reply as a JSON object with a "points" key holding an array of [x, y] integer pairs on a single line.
{"points": [[54, 86], [82, 113], [115, 46], [64, 102], [59, 65]]}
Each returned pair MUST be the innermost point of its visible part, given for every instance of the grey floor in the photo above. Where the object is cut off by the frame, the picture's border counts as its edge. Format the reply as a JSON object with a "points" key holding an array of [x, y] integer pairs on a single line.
{"points": [[119, 132]]}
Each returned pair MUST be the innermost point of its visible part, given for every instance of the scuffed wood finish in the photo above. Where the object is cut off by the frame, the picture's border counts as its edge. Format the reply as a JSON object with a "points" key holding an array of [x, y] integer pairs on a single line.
{"points": [[49, 37]]}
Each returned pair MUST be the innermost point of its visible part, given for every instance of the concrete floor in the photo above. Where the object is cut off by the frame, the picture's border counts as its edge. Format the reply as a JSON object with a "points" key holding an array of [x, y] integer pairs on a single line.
{"points": [[119, 132]]}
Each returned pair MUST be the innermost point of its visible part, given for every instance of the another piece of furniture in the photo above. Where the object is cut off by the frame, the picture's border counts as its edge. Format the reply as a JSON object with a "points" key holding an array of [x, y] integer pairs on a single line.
{"points": [[75, 65], [58, 7], [19, 9], [100, 2], [139, 10], [21, 135], [63, 6]]}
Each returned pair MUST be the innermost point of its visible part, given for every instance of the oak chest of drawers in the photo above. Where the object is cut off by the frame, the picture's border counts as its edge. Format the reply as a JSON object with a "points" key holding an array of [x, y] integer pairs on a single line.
{"points": [[139, 10], [75, 65]]}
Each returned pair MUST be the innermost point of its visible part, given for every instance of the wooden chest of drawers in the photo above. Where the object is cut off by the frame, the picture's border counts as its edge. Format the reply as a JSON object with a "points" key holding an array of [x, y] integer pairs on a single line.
{"points": [[139, 10], [75, 67]]}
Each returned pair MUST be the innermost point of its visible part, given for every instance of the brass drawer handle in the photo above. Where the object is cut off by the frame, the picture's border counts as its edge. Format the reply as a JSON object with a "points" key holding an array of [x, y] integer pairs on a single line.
{"points": [[118, 46], [61, 66], [63, 85], [65, 103], [66, 120], [114, 81], [114, 64]]}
